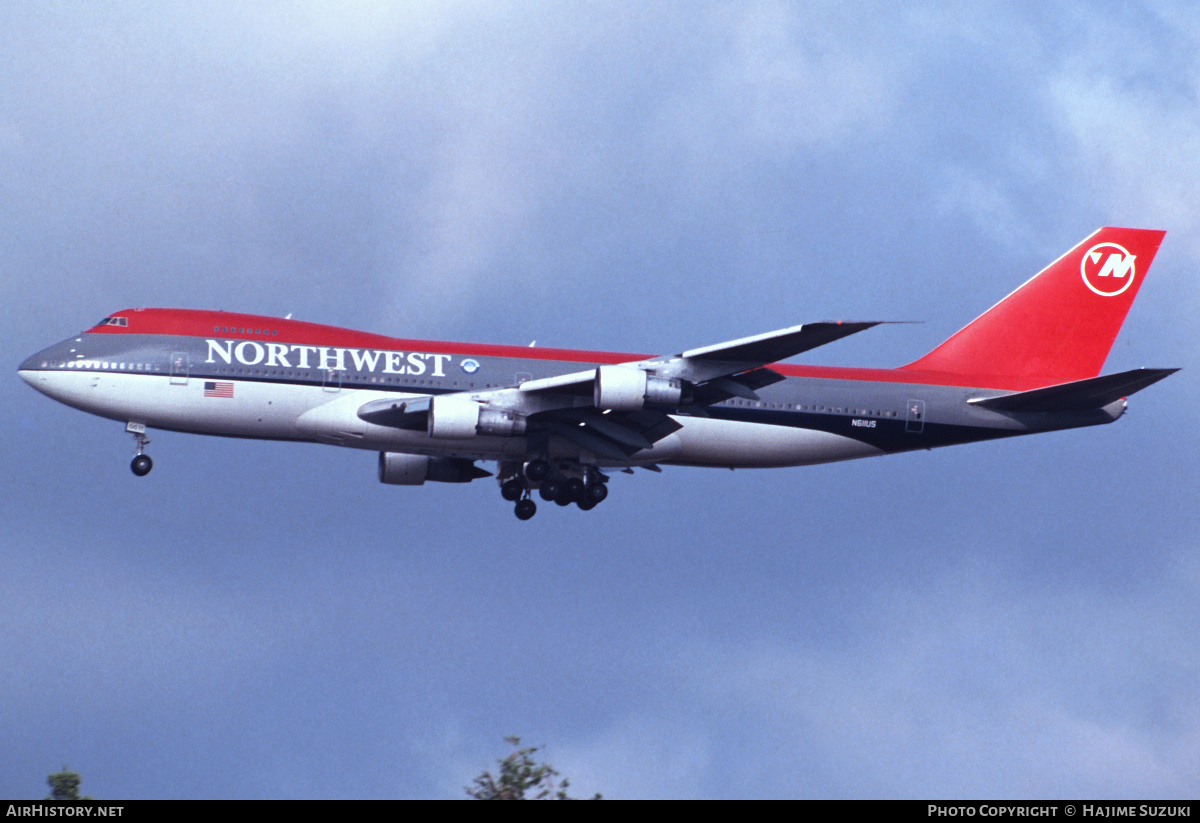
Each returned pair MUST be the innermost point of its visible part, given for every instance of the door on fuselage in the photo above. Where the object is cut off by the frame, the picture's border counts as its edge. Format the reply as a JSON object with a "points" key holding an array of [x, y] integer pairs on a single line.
{"points": [[180, 367], [915, 419]]}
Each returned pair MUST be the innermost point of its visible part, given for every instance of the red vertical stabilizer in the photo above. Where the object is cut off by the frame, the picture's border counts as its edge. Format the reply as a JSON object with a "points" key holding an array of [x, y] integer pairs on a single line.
{"points": [[1058, 326]]}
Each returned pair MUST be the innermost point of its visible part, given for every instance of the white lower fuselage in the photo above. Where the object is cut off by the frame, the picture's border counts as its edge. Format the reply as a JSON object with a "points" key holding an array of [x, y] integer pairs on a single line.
{"points": [[282, 411]]}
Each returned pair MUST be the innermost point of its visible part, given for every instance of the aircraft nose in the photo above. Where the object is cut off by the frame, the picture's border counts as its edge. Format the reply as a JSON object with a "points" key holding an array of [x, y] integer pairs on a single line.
{"points": [[36, 368], [51, 357], [27, 368]]}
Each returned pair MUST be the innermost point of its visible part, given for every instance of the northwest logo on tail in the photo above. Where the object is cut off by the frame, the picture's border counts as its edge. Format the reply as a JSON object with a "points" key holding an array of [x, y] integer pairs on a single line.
{"points": [[1107, 269]]}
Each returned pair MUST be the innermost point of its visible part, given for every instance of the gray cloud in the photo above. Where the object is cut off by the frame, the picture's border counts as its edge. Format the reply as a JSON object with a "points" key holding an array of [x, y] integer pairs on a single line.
{"points": [[1008, 619]]}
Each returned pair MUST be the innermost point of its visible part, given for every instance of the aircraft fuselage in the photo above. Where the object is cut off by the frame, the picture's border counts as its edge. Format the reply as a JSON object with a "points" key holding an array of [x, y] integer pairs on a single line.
{"points": [[552, 419], [259, 377]]}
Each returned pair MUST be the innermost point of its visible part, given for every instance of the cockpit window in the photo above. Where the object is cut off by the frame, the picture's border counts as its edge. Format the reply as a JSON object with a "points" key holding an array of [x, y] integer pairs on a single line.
{"points": [[114, 321]]}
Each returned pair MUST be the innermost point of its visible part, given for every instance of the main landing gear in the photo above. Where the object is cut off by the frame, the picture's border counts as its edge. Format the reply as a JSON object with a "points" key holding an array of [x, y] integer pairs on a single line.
{"points": [[526, 509], [142, 464], [517, 485]]}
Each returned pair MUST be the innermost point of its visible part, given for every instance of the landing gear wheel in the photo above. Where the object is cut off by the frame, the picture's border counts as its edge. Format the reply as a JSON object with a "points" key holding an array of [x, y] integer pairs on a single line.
{"points": [[549, 490], [595, 493], [586, 505], [142, 464], [512, 489], [574, 489], [526, 509], [537, 470], [563, 497]]}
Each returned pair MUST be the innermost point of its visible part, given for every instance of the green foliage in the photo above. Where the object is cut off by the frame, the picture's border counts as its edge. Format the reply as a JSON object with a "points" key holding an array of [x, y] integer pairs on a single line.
{"points": [[64, 785], [521, 778]]}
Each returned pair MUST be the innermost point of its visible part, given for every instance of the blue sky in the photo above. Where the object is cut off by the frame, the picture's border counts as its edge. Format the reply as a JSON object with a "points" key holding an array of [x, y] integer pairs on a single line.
{"points": [[1013, 619]]}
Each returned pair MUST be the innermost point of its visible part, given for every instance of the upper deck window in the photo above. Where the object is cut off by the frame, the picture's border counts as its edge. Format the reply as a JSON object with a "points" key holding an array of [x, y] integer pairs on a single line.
{"points": [[114, 321], [238, 330]]}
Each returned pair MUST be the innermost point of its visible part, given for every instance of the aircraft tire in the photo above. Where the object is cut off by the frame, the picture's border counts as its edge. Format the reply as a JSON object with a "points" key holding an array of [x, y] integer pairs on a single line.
{"points": [[537, 470], [586, 505], [549, 490], [141, 465], [575, 489], [526, 509], [595, 493], [512, 489]]}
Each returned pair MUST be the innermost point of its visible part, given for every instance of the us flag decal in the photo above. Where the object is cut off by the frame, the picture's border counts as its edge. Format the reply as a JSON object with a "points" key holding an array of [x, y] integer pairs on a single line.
{"points": [[218, 389]]}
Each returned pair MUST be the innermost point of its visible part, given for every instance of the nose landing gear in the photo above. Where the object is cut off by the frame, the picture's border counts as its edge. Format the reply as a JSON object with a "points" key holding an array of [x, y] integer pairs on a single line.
{"points": [[141, 464]]}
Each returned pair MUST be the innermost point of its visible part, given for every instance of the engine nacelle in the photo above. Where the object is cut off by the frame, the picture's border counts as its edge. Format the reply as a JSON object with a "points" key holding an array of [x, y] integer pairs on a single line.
{"points": [[622, 388], [453, 417], [400, 469], [403, 469], [500, 422], [457, 418]]}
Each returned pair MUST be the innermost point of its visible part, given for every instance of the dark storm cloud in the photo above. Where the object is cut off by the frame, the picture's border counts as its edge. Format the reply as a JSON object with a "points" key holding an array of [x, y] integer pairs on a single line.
{"points": [[1005, 619]]}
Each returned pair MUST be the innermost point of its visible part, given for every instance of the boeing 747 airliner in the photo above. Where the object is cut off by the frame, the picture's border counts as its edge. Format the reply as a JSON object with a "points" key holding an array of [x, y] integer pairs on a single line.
{"points": [[555, 420]]}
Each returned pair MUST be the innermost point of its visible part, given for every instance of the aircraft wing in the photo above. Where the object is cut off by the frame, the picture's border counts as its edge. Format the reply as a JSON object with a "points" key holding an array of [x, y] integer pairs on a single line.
{"points": [[710, 364], [615, 435], [615, 411], [574, 382], [777, 345]]}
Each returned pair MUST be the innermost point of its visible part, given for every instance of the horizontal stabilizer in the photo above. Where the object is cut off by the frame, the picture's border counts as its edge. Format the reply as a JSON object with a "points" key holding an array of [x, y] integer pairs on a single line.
{"points": [[1079, 395]]}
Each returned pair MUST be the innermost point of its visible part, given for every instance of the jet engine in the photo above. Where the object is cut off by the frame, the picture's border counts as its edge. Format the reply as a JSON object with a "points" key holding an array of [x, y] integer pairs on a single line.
{"points": [[399, 469], [456, 418], [622, 388]]}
